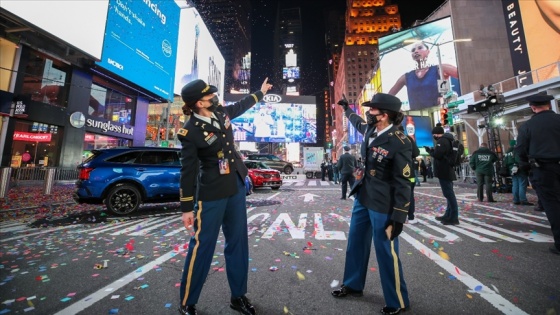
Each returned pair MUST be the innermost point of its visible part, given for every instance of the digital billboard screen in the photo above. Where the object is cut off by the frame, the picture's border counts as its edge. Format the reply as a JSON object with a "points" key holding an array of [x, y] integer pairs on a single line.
{"points": [[198, 56], [141, 43], [286, 119], [410, 67], [420, 129], [290, 73]]}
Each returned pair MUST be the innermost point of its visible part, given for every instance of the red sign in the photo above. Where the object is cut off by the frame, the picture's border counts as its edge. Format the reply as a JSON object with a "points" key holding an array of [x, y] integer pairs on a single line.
{"points": [[33, 137]]}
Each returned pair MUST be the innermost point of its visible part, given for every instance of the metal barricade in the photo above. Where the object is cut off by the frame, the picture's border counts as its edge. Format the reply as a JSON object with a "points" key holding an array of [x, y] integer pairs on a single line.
{"points": [[5, 175], [49, 180]]}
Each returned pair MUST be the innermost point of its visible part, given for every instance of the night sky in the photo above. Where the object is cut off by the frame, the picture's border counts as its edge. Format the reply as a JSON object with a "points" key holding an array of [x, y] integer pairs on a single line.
{"points": [[314, 58]]}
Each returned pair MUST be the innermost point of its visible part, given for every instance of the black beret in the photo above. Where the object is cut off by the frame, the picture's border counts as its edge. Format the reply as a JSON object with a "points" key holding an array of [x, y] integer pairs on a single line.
{"points": [[384, 101], [539, 99], [346, 148], [195, 90]]}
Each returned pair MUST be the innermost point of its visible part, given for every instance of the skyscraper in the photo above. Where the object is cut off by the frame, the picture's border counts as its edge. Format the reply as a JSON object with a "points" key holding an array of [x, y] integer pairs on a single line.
{"points": [[287, 49], [228, 22]]}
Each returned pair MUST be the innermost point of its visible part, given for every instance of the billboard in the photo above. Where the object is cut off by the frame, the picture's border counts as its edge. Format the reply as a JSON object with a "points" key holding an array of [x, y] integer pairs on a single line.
{"points": [[278, 118], [290, 73], [533, 32], [409, 64], [198, 56], [141, 43], [420, 129], [60, 18]]}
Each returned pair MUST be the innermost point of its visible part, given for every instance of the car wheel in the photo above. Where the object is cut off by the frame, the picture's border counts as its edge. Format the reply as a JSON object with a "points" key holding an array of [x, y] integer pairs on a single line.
{"points": [[288, 170], [309, 175], [123, 199]]}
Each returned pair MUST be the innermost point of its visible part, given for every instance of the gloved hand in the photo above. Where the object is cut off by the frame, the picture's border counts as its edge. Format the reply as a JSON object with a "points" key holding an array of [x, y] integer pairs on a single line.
{"points": [[428, 149], [343, 102], [393, 229]]}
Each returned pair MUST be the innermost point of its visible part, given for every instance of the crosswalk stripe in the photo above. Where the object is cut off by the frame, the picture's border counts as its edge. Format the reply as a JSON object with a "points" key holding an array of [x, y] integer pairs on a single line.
{"points": [[533, 236], [113, 227], [14, 228], [462, 231], [515, 218], [449, 237], [153, 227], [141, 225], [32, 234]]}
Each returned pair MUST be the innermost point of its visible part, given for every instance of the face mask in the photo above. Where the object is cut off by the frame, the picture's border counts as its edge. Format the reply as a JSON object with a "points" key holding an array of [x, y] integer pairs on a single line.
{"points": [[371, 119], [214, 102], [435, 137]]}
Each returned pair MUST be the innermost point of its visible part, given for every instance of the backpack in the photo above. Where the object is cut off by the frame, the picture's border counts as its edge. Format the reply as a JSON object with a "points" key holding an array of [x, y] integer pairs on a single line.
{"points": [[456, 155]]}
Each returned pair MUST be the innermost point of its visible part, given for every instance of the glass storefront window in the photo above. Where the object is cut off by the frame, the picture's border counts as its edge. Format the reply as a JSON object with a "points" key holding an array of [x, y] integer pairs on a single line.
{"points": [[46, 79], [94, 141], [36, 144], [111, 105]]}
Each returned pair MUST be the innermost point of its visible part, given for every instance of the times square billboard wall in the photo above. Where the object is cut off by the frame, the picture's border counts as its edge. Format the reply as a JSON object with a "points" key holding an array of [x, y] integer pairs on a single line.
{"points": [[399, 61], [198, 56], [277, 118], [533, 29], [141, 43]]}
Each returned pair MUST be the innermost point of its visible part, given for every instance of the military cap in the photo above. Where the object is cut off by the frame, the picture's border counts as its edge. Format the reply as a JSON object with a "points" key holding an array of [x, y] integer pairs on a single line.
{"points": [[195, 90], [539, 99], [346, 148], [384, 101]]}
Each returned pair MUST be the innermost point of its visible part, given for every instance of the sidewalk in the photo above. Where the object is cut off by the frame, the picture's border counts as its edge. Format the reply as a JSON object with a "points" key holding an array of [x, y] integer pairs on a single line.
{"points": [[29, 202]]}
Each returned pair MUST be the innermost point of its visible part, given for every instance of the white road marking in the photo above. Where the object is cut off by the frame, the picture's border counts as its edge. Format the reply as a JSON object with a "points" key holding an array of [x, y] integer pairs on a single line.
{"points": [[448, 236], [32, 234], [496, 300], [460, 230], [146, 230], [140, 225], [531, 236]]}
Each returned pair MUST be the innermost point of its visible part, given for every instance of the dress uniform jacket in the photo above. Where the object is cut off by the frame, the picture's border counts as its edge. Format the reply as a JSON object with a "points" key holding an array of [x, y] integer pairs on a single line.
{"points": [[203, 143], [539, 139], [388, 169]]}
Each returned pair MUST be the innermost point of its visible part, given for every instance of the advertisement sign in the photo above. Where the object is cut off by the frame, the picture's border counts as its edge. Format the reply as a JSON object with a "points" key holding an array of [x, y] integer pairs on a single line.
{"points": [[534, 38], [290, 119], [60, 18], [141, 43], [33, 137], [198, 56], [420, 129], [409, 64]]}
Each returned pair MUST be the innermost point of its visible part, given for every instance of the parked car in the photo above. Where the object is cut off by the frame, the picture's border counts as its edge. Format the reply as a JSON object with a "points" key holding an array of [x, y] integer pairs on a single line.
{"points": [[274, 162], [262, 175], [125, 178]]}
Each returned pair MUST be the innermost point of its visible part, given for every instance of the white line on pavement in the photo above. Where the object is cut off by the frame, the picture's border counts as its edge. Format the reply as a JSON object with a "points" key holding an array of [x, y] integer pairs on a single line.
{"points": [[475, 286]]}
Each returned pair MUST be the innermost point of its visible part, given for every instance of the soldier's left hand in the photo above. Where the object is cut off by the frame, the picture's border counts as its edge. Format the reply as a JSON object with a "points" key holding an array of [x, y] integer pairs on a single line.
{"points": [[393, 229], [265, 86]]}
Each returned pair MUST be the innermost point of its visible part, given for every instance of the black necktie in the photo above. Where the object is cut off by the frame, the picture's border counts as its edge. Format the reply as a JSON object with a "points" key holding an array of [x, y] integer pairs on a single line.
{"points": [[373, 135]]}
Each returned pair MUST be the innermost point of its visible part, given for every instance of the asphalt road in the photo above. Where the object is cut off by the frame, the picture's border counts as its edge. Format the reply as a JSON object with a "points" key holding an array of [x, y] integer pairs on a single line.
{"points": [[496, 262]]}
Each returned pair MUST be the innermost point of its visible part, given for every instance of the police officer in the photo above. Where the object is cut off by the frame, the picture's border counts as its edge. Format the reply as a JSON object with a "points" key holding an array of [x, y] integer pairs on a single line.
{"points": [[213, 193], [482, 162], [538, 146], [381, 203]]}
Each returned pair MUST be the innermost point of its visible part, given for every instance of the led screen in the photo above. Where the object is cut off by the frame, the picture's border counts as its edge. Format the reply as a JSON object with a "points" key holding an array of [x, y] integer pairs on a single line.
{"points": [[60, 18], [141, 43], [289, 119], [198, 56], [420, 129], [410, 69], [290, 73]]}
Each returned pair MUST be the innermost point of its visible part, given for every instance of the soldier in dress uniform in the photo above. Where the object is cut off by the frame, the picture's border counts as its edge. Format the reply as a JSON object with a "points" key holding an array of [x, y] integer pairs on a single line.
{"points": [[213, 193], [381, 203], [538, 147]]}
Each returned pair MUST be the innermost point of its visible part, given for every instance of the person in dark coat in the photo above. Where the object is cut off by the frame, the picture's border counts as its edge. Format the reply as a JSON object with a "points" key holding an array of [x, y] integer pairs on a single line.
{"points": [[381, 204], [212, 193], [482, 163], [445, 173], [423, 169], [519, 177], [346, 165], [538, 146]]}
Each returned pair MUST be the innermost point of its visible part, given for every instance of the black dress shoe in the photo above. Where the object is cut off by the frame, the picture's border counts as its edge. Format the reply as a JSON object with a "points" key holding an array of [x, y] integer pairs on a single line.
{"points": [[242, 305], [539, 209], [392, 311], [450, 222], [492, 201], [187, 310], [526, 203], [516, 203], [440, 218], [554, 250], [344, 291]]}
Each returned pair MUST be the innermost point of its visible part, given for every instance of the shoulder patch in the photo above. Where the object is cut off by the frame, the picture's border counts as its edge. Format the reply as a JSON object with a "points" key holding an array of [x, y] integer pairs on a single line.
{"points": [[400, 134], [182, 132]]}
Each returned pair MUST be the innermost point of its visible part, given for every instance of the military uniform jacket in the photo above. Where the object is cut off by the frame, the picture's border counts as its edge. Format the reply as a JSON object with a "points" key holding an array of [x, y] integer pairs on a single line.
{"points": [[539, 138], [202, 143], [385, 186]]}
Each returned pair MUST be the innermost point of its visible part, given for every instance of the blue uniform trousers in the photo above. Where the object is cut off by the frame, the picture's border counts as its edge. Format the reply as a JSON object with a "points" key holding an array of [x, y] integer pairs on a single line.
{"points": [[366, 224], [231, 215]]}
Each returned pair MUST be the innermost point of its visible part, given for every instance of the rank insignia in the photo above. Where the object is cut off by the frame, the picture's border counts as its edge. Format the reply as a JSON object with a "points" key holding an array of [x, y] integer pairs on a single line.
{"points": [[227, 122], [372, 172], [406, 171], [182, 132], [400, 134]]}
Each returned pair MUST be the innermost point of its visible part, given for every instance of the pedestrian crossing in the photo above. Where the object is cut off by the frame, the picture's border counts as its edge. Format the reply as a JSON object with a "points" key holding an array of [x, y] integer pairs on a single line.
{"points": [[472, 227], [309, 183]]}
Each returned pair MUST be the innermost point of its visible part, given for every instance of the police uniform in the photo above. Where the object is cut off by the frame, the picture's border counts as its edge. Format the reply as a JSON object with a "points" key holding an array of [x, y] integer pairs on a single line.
{"points": [[213, 186], [382, 199], [538, 147]]}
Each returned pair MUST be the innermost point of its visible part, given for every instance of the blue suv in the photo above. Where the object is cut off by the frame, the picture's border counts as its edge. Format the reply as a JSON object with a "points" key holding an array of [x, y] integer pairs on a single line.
{"points": [[125, 178]]}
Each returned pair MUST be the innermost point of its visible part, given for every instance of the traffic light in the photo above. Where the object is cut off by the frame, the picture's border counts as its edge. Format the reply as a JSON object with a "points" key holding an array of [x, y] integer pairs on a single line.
{"points": [[443, 116]]}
